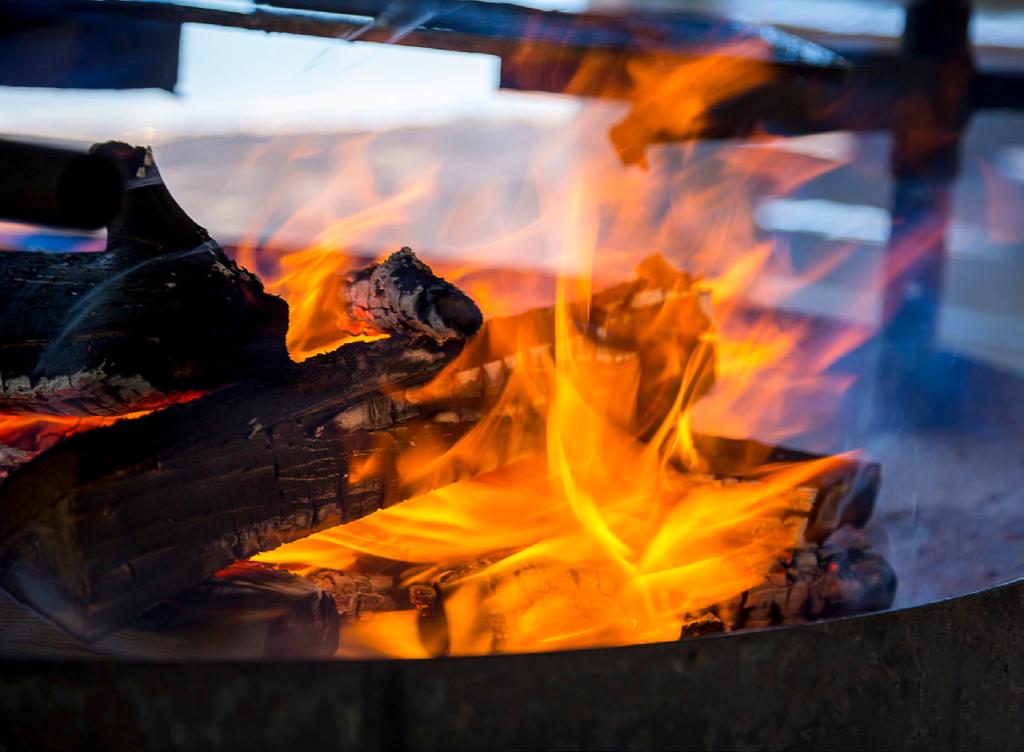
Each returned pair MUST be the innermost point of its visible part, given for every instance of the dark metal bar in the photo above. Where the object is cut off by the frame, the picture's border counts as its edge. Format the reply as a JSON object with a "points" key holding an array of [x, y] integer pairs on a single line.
{"points": [[680, 32], [60, 187], [927, 128], [472, 26]]}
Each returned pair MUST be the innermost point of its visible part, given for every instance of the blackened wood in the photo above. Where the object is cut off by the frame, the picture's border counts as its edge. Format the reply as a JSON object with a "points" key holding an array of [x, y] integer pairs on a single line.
{"points": [[818, 582], [115, 520], [247, 611], [110, 522], [162, 310]]}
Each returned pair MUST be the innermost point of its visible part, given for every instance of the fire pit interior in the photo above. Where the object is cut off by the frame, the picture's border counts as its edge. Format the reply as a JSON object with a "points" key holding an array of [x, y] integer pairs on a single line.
{"points": [[690, 328]]}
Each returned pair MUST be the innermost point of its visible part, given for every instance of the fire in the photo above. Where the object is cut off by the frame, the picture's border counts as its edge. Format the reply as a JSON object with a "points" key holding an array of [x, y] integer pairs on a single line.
{"points": [[579, 514], [24, 436]]}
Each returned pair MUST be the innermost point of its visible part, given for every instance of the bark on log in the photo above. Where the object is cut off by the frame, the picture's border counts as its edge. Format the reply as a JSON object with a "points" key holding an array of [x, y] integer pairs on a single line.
{"points": [[162, 310], [248, 611]]}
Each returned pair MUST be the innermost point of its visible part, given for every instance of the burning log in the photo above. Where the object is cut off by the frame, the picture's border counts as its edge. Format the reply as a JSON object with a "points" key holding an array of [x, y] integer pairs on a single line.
{"points": [[245, 611], [112, 521], [516, 599], [161, 310], [814, 582], [817, 582], [356, 593], [401, 295]]}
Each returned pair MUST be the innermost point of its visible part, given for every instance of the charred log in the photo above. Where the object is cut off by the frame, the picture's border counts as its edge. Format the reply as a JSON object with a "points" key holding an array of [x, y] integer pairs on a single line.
{"points": [[401, 295], [110, 522], [246, 611], [817, 582], [53, 186], [161, 310]]}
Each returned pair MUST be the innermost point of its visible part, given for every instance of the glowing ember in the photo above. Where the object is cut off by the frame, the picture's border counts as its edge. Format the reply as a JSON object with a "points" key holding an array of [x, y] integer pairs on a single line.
{"points": [[579, 515]]}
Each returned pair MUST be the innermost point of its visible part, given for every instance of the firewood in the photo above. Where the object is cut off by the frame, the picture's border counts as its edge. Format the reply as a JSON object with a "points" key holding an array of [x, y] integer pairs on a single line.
{"points": [[811, 583], [579, 595], [115, 520], [245, 611], [401, 295], [816, 582], [356, 593], [112, 521], [161, 310]]}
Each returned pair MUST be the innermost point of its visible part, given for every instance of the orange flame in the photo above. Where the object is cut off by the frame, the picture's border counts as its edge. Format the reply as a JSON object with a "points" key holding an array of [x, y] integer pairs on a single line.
{"points": [[578, 515]]}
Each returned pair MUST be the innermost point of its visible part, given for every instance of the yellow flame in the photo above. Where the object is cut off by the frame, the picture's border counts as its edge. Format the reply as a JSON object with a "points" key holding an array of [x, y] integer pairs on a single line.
{"points": [[578, 515]]}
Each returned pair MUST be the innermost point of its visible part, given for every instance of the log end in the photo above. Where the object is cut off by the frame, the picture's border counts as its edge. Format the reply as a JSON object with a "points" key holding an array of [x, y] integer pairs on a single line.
{"points": [[401, 295]]}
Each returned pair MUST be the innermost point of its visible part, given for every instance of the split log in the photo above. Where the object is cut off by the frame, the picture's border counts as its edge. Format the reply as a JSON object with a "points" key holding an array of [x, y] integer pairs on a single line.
{"points": [[578, 596], [161, 310], [400, 295], [247, 611]]}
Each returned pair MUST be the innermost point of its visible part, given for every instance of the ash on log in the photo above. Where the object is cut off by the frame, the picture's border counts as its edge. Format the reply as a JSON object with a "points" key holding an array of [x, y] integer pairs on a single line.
{"points": [[161, 310], [401, 296]]}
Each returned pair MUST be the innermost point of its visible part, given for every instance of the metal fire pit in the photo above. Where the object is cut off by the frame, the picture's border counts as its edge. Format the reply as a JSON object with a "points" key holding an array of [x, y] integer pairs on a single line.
{"points": [[946, 675]]}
